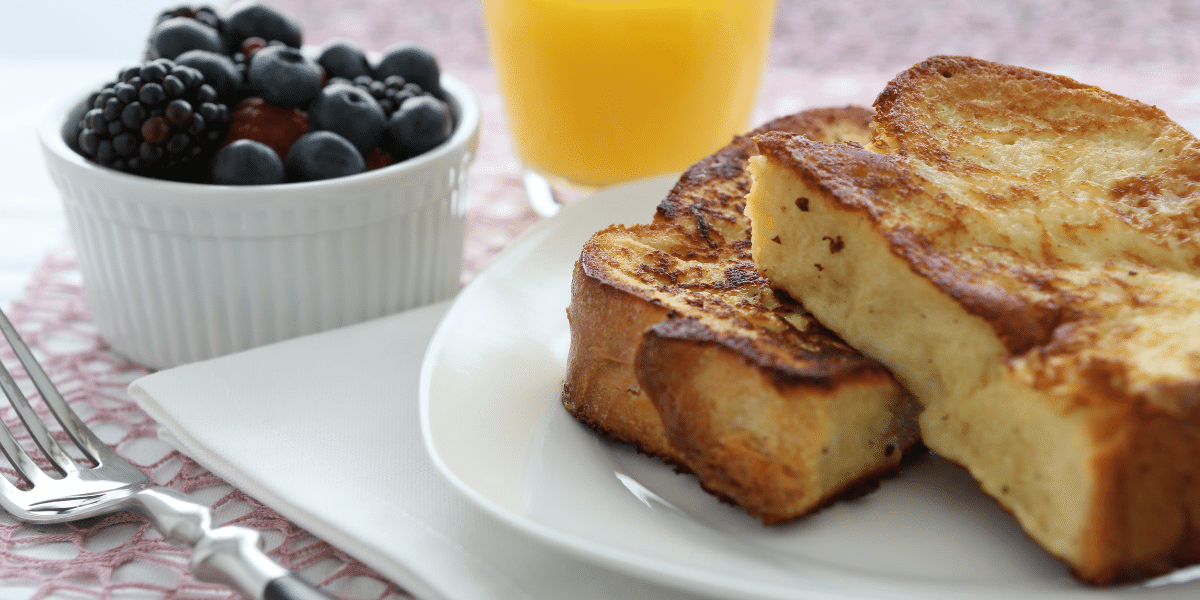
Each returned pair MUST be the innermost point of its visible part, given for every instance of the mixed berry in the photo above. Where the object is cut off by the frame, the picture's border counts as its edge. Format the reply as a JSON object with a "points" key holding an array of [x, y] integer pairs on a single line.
{"points": [[231, 100], [156, 118]]}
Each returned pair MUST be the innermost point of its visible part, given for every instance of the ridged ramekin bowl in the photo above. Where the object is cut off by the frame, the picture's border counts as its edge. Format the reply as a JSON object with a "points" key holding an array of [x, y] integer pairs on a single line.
{"points": [[179, 272]]}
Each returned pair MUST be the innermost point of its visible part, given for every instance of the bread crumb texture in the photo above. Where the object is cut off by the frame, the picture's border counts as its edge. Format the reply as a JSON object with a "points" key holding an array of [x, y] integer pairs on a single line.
{"points": [[1020, 250]]}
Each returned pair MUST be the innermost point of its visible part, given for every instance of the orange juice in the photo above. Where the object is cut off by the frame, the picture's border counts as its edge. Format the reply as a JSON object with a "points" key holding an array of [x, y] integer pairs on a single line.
{"points": [[604, 91]]}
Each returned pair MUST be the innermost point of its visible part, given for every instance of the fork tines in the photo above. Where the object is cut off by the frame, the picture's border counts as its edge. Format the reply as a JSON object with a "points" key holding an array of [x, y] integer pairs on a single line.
{"points": [[66, 417]]}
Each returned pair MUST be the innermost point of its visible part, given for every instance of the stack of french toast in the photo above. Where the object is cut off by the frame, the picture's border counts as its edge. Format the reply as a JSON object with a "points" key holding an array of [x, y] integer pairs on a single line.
{"points": [[680, 348], [998, 264]]}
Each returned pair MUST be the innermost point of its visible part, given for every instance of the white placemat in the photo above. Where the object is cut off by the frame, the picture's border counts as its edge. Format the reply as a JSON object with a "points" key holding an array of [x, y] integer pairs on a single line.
{"points": [[325, 430]]}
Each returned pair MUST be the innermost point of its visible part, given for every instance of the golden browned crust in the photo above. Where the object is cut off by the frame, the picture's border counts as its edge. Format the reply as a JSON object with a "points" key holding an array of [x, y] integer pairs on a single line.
{"points": [[1049, 229], [600, 389], [1020, 322], [712, 193], [1147, 515], [692, 266], [777, 440]]}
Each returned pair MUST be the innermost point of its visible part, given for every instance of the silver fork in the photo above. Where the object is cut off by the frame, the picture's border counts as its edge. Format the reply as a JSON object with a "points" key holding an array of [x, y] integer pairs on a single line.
{"points": [[229, 555]]}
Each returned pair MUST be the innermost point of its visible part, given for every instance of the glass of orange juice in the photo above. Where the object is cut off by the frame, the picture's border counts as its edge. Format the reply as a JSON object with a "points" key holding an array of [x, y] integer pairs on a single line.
{"points": [[599, 92]]}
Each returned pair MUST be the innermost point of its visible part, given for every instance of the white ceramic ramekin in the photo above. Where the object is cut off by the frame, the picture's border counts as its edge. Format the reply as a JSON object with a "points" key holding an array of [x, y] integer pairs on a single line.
{"points": [[180, 272]]}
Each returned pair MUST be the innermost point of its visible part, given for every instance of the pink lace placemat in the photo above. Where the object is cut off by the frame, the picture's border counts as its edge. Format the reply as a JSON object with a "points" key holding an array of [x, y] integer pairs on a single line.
{"points": [[823, 53], [120, 555]]}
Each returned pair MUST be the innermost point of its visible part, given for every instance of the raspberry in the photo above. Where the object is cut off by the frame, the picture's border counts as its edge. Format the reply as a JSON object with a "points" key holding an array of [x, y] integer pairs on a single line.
{"points": [[251, 45], [279, 128], [378, 158]]}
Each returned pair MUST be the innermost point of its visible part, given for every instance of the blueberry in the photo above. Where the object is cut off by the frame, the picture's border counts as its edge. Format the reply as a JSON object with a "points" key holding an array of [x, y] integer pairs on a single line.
{"points": [[322, 155], [350, 112], [247, 162], [219, 71], [344, 59], [283, 76], [253, 19], [180, 34], [420, 124], [204, 14], [414, 64]]}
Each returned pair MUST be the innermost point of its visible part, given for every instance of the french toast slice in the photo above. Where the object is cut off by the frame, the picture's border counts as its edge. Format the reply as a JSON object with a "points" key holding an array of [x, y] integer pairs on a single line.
{"points": [[682, 350], [1020, 250]]}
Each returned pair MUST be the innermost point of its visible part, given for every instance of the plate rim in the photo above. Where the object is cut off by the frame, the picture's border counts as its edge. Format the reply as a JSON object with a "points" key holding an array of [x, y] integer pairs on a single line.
{"points": [[589, 550], [653, 568]]}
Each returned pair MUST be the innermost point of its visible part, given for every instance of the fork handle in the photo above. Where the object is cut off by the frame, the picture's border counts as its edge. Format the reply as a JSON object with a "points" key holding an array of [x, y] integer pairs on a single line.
{"points": [[233, 555], [229, 555], [290, 587]]}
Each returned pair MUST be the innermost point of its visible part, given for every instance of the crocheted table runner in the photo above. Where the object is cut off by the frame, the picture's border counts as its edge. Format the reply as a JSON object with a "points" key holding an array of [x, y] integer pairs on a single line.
{"points": [[823, 54], [116, 555]]}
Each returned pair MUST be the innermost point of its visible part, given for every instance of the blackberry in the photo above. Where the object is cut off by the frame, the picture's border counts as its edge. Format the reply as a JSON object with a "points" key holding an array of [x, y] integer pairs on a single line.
{"points": [[389, 92], [157, 119]]}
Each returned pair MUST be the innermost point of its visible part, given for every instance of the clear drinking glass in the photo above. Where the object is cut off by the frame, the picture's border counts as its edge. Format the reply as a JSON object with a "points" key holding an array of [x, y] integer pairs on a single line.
{"points": [[599, 92]]}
